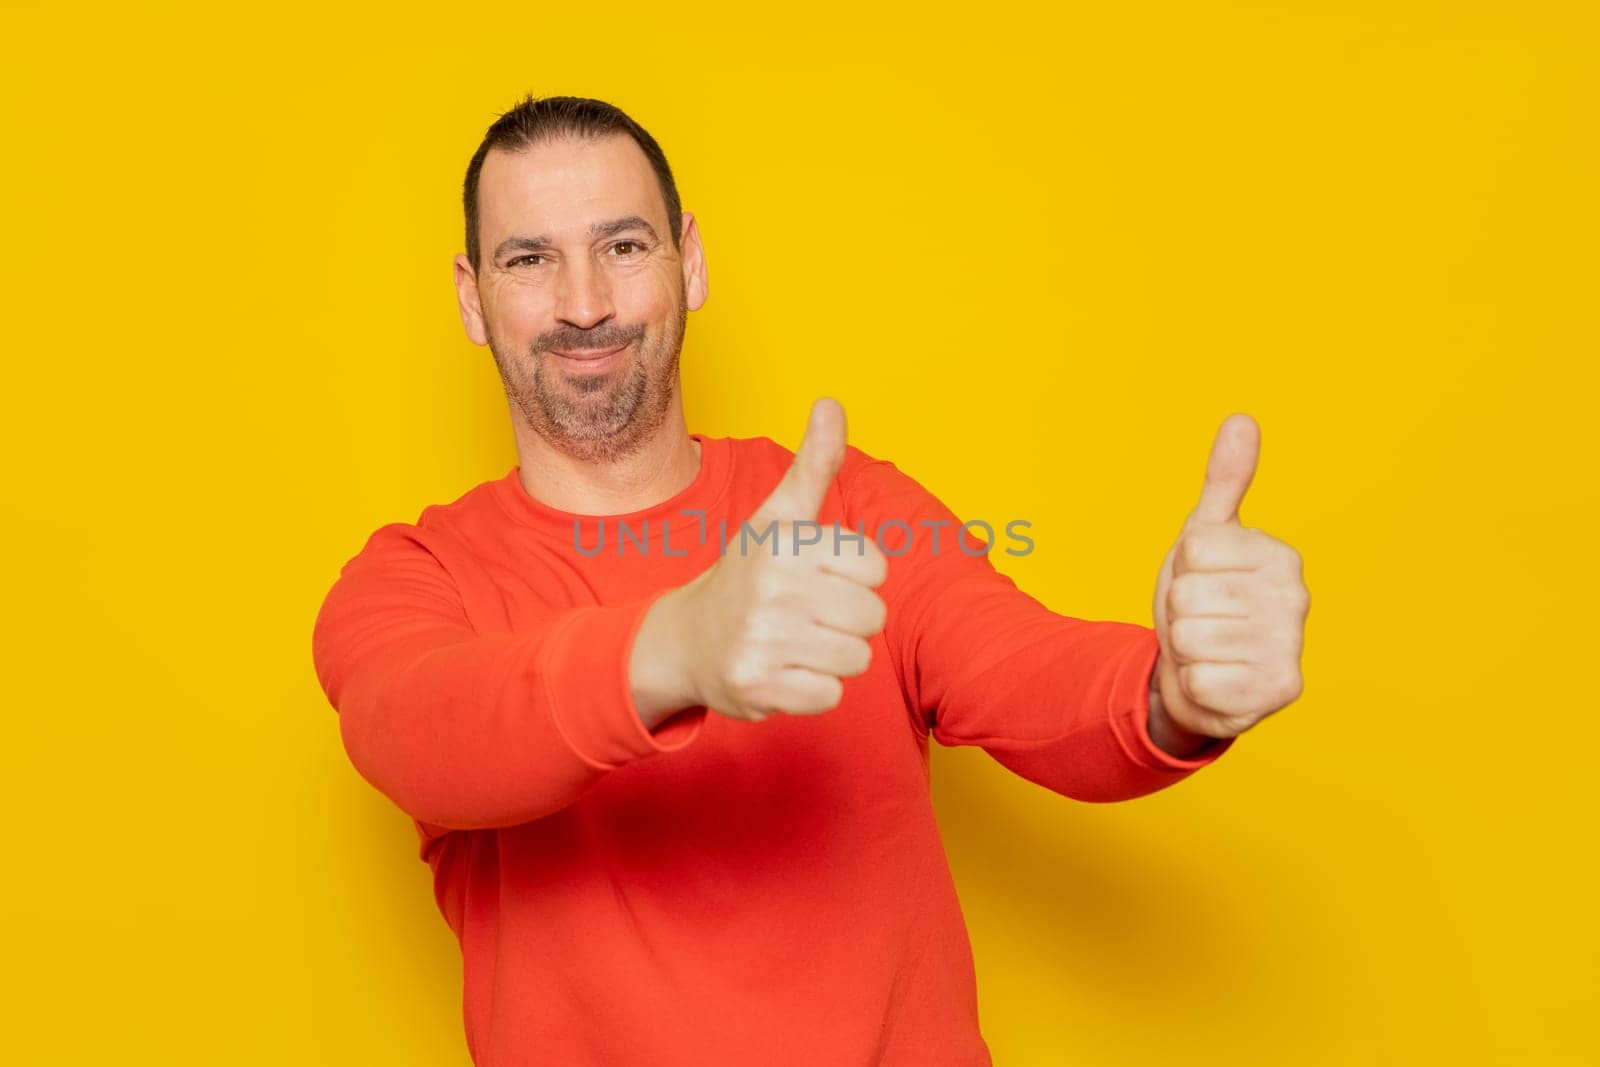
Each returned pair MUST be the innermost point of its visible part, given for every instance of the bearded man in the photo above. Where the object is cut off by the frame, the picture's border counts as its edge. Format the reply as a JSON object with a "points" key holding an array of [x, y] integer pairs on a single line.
{"points": [[676, 799]]}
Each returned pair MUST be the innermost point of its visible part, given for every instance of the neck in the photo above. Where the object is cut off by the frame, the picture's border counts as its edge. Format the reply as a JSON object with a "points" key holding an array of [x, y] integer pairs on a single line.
{"points": [[663, 466]]}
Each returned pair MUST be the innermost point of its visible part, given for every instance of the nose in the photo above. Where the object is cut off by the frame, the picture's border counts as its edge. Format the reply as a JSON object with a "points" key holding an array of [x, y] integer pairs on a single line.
{"points": [[583, 297]]}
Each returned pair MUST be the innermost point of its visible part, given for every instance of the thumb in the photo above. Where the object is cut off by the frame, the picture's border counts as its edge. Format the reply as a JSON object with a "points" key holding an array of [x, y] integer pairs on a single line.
{"points": [[800, 494], [1228, 470]]}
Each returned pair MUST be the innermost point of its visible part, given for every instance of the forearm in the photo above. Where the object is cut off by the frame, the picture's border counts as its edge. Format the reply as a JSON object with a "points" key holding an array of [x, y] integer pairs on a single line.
{"points": [[1070, 711], [468, 731], [462, 734]]}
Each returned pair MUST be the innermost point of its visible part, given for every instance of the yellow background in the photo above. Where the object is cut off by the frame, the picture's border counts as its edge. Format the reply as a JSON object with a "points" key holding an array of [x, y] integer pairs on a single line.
{"points": [[1039, 257]]}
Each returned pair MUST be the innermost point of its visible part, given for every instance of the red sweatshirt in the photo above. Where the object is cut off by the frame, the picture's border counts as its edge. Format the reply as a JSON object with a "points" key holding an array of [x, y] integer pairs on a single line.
{"points": [[717, 891]]}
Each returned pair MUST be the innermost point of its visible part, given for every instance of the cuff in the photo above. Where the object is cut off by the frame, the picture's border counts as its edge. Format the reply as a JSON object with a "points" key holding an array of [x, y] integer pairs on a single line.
{"points": [[1131, 715], [585, 671]]}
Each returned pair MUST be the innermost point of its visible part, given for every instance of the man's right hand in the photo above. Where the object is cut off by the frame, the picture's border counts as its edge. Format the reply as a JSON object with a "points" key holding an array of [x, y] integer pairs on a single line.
{"points": [[757, 632]]}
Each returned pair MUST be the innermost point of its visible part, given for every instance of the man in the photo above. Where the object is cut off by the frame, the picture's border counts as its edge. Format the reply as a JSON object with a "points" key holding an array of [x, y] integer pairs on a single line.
{"points": [[672, 781]]}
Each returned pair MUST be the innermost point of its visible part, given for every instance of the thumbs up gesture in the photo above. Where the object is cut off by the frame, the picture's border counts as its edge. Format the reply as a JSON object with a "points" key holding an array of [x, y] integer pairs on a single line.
{"points": [[776, 632], [1230, 606]]}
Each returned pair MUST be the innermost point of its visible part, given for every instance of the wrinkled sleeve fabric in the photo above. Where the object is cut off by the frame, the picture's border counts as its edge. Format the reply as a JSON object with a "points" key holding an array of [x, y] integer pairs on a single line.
{"points": [[469, 730], [1061, 701]]}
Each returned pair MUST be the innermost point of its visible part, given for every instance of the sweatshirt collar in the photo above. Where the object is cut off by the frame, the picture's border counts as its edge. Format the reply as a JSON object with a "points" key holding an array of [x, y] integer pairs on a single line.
{"points": [[705, 492]]}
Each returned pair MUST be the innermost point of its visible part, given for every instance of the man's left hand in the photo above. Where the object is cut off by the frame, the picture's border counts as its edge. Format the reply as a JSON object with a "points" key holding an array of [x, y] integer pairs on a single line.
{"points": [[1230, 608]]}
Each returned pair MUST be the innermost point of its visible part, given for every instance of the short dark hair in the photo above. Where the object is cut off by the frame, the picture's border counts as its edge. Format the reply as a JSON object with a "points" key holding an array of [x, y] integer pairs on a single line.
{"points": [[538, 119]]}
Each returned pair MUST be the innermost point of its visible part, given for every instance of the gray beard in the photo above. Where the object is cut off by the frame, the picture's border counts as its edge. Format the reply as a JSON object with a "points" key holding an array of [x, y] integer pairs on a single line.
{"points": [[609, 419], [611, 416]]}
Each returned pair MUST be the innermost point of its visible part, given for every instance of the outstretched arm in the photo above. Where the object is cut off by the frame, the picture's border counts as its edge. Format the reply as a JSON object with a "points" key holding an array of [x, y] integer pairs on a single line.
{"points": [[467, 730], [1062, 701]]}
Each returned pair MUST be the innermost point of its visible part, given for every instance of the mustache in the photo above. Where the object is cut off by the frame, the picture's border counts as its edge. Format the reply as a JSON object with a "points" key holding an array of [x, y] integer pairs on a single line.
{"points": [[572, 339]]}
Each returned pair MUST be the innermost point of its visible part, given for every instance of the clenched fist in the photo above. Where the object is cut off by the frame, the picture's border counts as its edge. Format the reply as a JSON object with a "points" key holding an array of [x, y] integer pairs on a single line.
{"points": [[1230, 605], [757, 632]]}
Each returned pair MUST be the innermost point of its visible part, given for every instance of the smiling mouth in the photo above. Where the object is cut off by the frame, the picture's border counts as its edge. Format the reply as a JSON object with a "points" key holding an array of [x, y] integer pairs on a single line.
{"points": [[589, 355], [590, 361]]}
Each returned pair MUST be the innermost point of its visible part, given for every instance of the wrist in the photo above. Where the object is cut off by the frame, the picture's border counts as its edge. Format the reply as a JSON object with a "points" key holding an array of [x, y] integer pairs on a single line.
{"points": [[1173, 739], [658, 665]]}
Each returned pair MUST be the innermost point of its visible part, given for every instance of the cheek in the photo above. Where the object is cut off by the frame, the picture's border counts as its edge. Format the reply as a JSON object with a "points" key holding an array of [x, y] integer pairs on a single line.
{"points": [[650, 297], [520, 314], [649, 306]]}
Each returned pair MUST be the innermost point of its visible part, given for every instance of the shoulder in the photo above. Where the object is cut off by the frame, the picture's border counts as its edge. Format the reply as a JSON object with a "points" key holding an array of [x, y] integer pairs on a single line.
{"points": [[765, 458], [871, 483], [441, 534], [474, 507]]}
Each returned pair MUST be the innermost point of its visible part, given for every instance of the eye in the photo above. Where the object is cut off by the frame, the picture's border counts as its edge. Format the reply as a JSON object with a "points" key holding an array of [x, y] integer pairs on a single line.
{"points": [[523, 259], [627, 248]]}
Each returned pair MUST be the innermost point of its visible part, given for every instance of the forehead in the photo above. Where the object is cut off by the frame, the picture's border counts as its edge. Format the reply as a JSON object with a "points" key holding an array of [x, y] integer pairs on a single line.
{"points": [[562, 185]]}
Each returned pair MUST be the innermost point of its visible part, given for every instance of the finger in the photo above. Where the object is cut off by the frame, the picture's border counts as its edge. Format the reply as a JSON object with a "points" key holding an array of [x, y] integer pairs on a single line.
{"points": [[1229, 468], [798, 691], [1214, 639], [799, 495], [827, 651], [862, 562], [847, 606], [1226, 547], [1207, 593], [1234, 689]]}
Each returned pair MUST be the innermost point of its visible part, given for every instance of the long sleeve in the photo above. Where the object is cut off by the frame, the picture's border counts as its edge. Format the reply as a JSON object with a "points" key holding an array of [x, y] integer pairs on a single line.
{"points": [[468, 730], [1061, 701]]}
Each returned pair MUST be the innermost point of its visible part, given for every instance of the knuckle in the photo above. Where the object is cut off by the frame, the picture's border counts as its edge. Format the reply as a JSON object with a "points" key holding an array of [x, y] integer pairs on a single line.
{"points": [[1184, 633], [743, 684], [1291, 595], [1196, 684]]}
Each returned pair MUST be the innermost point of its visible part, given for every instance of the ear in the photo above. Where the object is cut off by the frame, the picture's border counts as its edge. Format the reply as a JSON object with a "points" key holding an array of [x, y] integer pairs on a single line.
{"points": [[694, 263], [467, 299]]}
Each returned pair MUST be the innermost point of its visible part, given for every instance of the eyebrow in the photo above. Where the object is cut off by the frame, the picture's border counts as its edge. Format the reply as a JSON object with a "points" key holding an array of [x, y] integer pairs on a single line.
{"points": [[608, 228]]}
